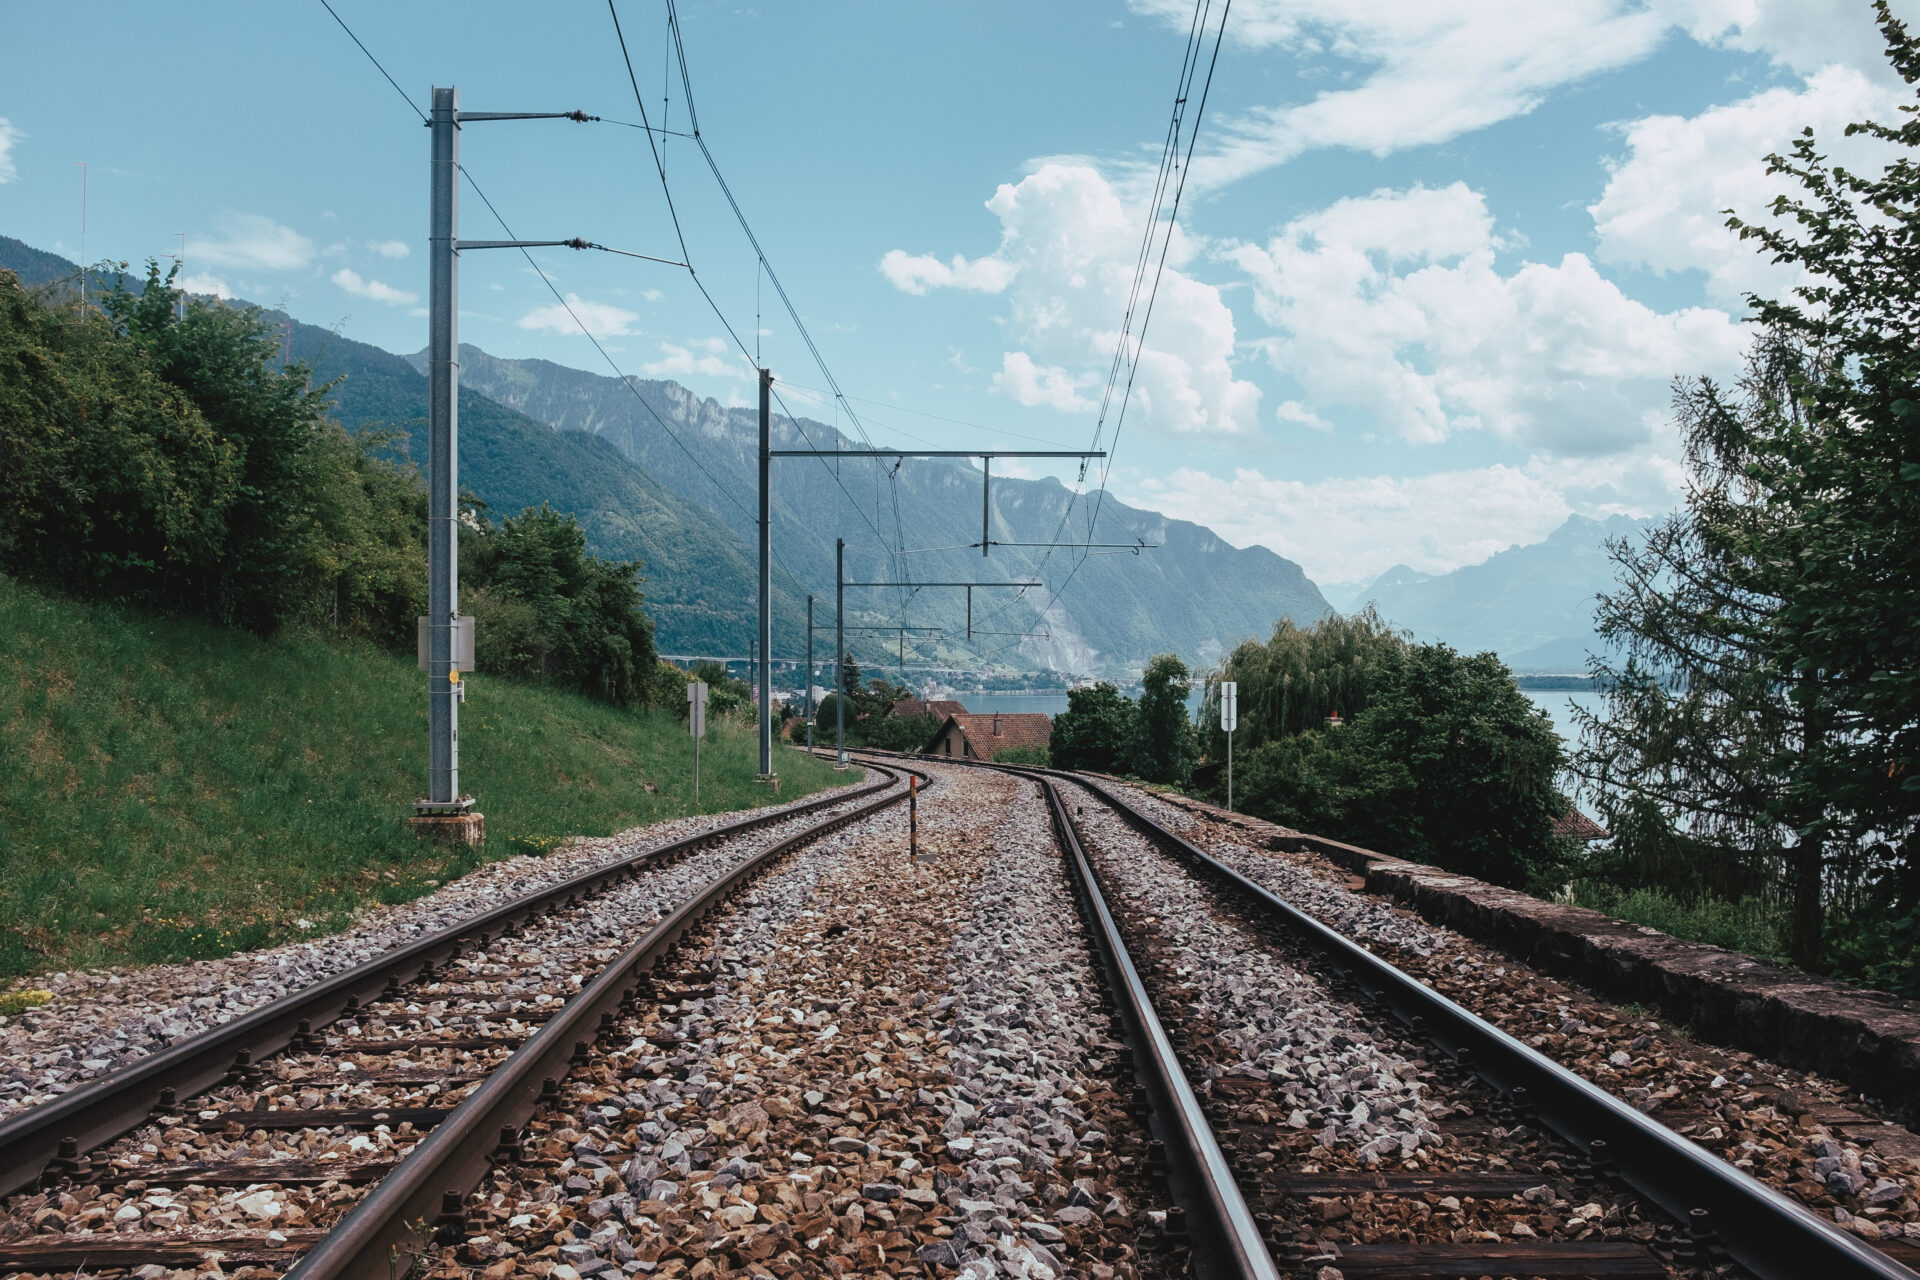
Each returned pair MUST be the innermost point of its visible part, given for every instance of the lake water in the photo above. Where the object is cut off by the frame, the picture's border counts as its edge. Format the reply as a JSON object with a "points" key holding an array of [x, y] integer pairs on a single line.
{"points": [[1559, 704], [1051, 704]]}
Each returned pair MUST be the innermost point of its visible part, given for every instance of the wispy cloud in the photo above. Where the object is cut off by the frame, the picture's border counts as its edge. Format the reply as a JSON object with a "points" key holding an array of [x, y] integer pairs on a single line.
{"points": [[601, 319], [359, 287], [251, 241], [702, 357], [390, 248], [10, 133], [917, 273]]}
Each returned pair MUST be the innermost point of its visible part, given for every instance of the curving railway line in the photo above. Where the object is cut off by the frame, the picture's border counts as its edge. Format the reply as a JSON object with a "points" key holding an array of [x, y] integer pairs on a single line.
{"points": [[1061, 1040], [401, 1078]]}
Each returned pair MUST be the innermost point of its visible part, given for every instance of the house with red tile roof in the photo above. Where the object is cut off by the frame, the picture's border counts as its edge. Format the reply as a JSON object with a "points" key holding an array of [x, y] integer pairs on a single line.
{"points": [[985, 736]]}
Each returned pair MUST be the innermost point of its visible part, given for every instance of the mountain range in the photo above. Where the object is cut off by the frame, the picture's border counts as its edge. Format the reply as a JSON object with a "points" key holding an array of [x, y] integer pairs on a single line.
{"points": [[657, 473], [1532, 605]]}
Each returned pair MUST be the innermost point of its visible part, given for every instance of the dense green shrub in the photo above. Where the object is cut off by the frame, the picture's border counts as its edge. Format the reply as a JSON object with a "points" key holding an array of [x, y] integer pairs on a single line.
{"points": [[1164, 743], [1095, 732], [1446, 762], [155, 451], [544, 609]]}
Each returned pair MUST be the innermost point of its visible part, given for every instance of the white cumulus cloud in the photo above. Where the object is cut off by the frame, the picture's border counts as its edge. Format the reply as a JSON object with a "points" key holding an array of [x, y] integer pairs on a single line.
{"points": [[916, 273], [359, 287], [1805, 35], [204, 286], [1068, 245], [250, 240], [10, 134], [1663, 204], [1393, 304], [390, 248], [1041, 386], [601, 319], [703, 357], [1353, 528]]}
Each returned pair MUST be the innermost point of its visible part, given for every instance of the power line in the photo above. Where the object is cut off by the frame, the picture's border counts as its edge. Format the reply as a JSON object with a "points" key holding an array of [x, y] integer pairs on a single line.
{"points": [[686, 80], [1170, 156], [376, 63]]}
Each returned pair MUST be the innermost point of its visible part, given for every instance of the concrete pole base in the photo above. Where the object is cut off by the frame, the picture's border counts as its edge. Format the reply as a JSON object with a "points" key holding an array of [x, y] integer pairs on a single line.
{"points": [[451, 828]]}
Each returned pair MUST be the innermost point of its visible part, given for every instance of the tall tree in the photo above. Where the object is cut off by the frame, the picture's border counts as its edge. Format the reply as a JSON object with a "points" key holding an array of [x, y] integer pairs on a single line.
{"points": [[1706, 764], [1847, 467], [1164, 745], [1768, 721], [1095, 732]]}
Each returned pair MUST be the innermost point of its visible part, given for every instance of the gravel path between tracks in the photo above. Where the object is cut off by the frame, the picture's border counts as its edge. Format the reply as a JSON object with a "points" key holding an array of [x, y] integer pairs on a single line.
{"points": [[1811, 1137], [99, 1020], [898, 1072], [1287, 1028]]}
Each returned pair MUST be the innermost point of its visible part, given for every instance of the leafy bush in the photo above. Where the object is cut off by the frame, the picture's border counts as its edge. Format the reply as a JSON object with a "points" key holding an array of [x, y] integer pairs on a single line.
{"points": [[1447, 762], [1164, 745], [156, 452], [1037, 756], [563, 617], [1095, 732]]}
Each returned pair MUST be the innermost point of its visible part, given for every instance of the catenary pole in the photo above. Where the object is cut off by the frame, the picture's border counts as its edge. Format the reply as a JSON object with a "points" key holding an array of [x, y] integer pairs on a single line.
{"points": [[766, 578], [809, 673], [443, 435], [840, 651], [443, 424]]}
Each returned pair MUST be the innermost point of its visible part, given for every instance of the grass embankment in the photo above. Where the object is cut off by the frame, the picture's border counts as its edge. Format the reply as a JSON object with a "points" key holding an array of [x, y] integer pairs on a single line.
{"points": [[175, 790]]}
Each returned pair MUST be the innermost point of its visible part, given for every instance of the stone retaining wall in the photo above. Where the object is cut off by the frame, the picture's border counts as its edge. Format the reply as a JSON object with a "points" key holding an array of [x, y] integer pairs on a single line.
{"points": [[1865, 1038]]}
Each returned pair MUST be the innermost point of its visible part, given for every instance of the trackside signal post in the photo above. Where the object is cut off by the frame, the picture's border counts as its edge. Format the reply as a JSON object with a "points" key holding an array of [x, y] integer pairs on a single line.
{"points": [[1229, 721], [445, 810], [697, 726]]}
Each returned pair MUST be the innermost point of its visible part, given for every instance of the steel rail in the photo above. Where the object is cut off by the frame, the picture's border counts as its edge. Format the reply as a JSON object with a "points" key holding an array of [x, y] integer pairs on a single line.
{"points": [[1764, 1231], [104, 1108], [1771, 1235], [381, 1235], [1226, 1238]]}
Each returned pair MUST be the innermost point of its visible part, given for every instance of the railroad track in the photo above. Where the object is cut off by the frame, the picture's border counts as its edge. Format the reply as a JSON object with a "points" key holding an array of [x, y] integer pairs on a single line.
{"points": [[392, 1086], [1602, 1189]]}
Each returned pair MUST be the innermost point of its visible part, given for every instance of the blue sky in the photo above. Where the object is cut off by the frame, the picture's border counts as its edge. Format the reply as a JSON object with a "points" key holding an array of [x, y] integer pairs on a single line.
{"points": [[1437, 265]]}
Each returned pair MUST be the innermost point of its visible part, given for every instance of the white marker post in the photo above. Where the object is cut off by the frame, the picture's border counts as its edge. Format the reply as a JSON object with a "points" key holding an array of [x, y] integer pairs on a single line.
{"points": [[1229, 721], [697, 726]]}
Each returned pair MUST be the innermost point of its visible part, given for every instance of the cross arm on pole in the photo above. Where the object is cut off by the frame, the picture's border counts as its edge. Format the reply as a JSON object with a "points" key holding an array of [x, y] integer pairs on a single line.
{"points": [[579, 117], [937, 453], [575, 243], [1022, 585]]}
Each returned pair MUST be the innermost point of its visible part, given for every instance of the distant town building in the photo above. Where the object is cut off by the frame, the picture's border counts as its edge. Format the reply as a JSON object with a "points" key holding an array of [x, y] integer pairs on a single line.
{"points": [[983, 737]]}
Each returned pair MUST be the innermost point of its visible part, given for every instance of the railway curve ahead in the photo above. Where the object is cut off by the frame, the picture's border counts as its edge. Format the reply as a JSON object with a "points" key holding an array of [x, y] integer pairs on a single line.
{"points": [[1538, 1123], [432, 1055]]}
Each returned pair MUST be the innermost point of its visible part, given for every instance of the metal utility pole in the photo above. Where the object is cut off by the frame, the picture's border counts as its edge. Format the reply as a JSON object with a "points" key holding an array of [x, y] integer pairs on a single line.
{"points": [[443, 656], [809, 673], [840, 652], [443, 491], [1229, 721], [766, 577]]}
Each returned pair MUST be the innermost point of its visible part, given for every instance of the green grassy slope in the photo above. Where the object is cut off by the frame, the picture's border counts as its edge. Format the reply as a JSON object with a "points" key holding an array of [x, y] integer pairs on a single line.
{"points": [[175, 790]]}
